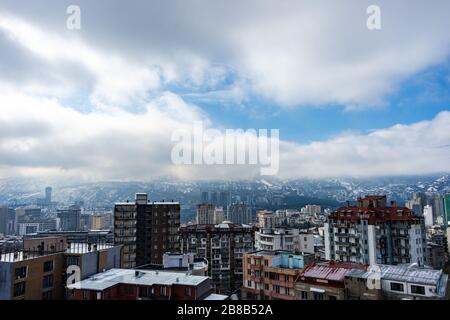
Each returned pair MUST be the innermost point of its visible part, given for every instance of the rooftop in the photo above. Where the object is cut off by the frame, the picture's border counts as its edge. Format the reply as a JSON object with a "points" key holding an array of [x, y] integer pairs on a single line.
{"points": [[85, 247], [149, 202], [271, 253], [331, 271], [404, 273], [374, 214], [102, 281], [75, 248], [215, 296]]}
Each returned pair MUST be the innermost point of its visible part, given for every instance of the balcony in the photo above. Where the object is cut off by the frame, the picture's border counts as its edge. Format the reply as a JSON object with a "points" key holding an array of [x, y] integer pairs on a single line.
{"points": [[346, 244], [256, 267]]}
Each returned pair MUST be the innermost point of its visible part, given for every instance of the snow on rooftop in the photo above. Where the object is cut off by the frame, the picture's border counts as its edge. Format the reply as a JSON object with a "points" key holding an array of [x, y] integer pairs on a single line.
{"points": [[102, 281], [215, 296], [403, 273]]}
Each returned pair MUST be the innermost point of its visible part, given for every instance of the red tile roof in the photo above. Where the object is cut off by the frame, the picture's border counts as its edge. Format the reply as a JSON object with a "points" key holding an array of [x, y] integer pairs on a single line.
{"points": [[378, 214]]}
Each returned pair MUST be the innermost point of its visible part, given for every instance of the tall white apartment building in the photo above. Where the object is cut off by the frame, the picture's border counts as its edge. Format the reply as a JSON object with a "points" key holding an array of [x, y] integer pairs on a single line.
{"points": [[277, 239], [373, 233]]}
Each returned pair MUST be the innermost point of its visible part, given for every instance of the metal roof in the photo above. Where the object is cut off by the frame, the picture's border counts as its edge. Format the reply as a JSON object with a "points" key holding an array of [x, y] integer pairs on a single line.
{"points": [[402, 273]]}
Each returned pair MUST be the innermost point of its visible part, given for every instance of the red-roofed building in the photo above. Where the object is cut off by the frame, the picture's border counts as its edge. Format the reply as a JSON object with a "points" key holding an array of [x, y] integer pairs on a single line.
{"points": [[324, 281], [372, 232]]}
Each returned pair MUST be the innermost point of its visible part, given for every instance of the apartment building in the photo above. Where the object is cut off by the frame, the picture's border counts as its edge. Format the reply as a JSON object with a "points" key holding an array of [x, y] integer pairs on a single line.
{"points": [[40, 271], [209, 214], [223, 246], [373, 233], [406, 282], [239, 213], [146, 230], [324, 281], [270, 275], [277, 239], [129, 284]]}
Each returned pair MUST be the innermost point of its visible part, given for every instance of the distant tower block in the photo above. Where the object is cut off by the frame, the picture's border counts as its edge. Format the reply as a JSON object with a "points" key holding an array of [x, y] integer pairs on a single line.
{"points": [[48, 195]]}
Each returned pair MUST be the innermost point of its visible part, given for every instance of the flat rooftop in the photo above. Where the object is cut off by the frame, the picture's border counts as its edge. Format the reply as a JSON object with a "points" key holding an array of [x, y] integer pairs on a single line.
{"points": [[276, 253], [403, 273], [84, 247], [75, 248], [102, 281]]}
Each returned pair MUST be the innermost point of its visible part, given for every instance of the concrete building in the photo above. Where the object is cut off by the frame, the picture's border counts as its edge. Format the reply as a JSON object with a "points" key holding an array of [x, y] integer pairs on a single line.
{"points": [[396, 283], [4, 219], [223, 246], [239, 213], [129, 284], [447, 211], [91, 236], [147, 230], [97, 222], [436, 255], [324, 281], [277, 239], [416, 203], [428, 215], [205, 213], [372, 233], [40, 271], [266, 219], [272, 275], [185, 262], [70, 218], [209, 214], [308, 242]]}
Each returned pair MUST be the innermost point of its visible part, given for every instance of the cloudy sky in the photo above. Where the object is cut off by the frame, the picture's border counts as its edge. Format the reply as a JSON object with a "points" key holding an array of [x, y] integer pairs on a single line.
{"points": [[102, 102]]}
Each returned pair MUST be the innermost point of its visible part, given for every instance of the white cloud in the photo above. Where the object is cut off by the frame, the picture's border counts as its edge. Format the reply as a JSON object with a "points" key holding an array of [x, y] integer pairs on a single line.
{"points": [[419, 148], [294, 53], [42, 137], [116, 81]]}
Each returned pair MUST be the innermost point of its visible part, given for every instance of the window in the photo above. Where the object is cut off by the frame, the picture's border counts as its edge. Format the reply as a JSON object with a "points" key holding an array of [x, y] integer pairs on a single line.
{"points": [[304, 295], [318, 296], [332, 298], [47, 295], [266, 262], [48, 266], [144, 292], [162, 291], [47, 282], [396, 286], [418, 289], [19, 289], [72, 261], [276, 289], [266, 286], [21, 273], [86, 294], [188, 291]]}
